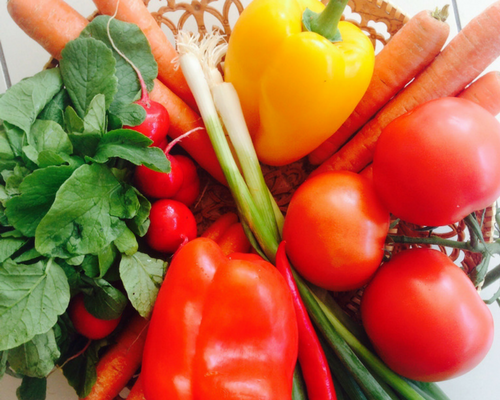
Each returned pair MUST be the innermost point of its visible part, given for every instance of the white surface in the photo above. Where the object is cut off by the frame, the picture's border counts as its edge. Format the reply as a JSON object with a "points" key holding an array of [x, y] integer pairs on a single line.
{"points": [[25, 58]]}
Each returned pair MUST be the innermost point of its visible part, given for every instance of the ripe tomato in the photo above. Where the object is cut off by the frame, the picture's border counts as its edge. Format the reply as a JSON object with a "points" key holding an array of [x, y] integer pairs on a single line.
{"points": [[425, 318], [172, 223], [335, 229], [439, 162], [88, 325]]}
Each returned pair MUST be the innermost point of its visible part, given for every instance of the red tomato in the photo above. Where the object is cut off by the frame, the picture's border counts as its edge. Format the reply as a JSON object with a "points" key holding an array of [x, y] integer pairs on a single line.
{"points": [[190, 188], [172, 223], [425, 318], [159, 185], [88, 325], [439, 162], [156, 124], [335, 229]]}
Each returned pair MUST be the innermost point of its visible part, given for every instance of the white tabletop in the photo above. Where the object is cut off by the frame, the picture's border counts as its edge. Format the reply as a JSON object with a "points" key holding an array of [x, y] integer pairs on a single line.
{"points": [[25, 58]]}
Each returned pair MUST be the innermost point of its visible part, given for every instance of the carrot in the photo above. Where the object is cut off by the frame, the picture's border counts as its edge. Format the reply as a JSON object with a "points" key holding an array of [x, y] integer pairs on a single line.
{"points": [[219, 226], [234, 240], [183, 119], [485, 91], [136, 12], [466, 56], [137, 391], [117, 366], [408, 52], [52, 23]]}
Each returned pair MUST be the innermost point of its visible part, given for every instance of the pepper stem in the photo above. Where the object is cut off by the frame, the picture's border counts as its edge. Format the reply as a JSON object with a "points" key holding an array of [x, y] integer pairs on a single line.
{"points": [[326, 22]]}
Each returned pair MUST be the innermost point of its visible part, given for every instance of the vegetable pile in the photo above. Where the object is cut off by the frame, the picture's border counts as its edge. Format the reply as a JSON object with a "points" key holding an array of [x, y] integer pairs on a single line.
{"points": [[96, 201]]}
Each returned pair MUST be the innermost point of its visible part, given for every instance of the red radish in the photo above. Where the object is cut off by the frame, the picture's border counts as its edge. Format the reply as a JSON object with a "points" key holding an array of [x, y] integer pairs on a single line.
{"points": [[190, 188], [157, 122], [172, 224], [88, 325], [159, 185]]}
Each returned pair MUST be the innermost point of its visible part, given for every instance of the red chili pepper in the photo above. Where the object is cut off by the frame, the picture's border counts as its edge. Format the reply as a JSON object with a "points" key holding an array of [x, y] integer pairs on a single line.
{"points": [[313, 363]]}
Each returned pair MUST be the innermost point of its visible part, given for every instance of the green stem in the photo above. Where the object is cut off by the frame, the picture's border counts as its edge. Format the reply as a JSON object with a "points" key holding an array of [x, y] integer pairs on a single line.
{"points": [[326, 22], [436, 240], [299, 387], [492, 276]]}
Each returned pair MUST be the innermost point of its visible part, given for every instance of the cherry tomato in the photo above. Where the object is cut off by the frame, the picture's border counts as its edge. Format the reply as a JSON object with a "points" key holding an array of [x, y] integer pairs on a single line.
{"points": [[172, 224], [335, 229], [88, 325], [190, 188], [439, 162], [159, 185], [156, 124], [425, 318]]}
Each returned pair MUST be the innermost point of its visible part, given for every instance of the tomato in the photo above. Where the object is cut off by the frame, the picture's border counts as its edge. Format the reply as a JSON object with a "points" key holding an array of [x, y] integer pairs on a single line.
{"points": [[190, 187], [88, 325], [335, 229], [425, 318], [171, 225], [439, 162], [159, 185], [156, 124]]}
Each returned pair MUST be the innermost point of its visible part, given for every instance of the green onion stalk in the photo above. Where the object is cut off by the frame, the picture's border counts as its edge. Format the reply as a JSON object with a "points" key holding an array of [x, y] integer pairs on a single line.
{"points": [[221, 112]]}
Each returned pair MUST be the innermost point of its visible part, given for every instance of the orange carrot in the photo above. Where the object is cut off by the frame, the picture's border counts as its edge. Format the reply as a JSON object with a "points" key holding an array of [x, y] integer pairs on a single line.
{"points": [[234, 240], [219, 226], [485, 91], [52, 23], [136, 12], [121, 361], [466, 56], [408, 52], [137, 391], [183, 119]]}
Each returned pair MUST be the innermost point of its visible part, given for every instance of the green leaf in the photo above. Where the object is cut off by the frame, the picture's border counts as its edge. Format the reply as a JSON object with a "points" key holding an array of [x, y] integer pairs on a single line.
{"points": [[130, 114], [81, 371], [98, 265], [127, 242], [72, 121], [95, 119], [88, 69], [16, 137], [8, 246], [38, 192], [13, 179], [80, 219], [31, 299], [3, 362], [22, 103], [140, 223], [6, 152], [54, 110], [28, 255], [48, 136], [132, 42], [132, 146], [106, 301], [32, 389], [142, 277], [37, 357]]}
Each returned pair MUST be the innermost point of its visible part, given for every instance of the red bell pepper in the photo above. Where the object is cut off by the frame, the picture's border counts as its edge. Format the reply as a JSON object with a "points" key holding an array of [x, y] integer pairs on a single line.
{"points": [[222, 328]]}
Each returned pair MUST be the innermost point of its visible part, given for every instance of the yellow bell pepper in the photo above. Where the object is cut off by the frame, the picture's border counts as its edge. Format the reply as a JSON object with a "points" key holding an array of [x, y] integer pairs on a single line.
{"points": [[296, 86]]}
